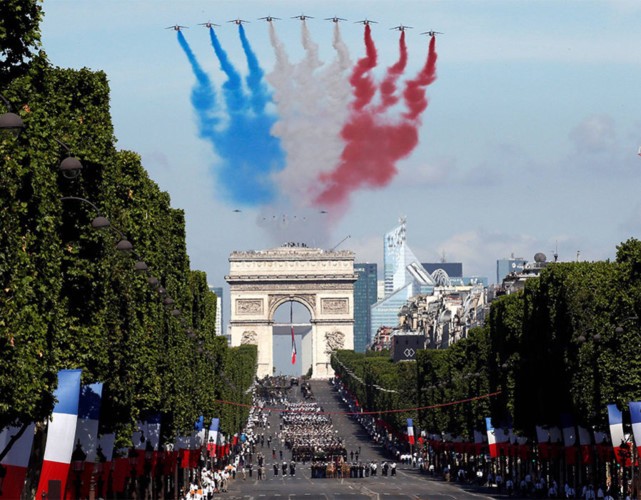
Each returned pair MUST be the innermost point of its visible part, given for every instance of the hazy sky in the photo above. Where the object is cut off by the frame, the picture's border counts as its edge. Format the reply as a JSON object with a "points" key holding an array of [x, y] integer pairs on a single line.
{"points": [[529, 140]]}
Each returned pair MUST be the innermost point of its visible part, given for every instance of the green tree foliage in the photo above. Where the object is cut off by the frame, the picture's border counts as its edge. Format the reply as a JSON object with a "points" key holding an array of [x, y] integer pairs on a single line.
{"points": [[19, 36], [379, 384], [69, 299]]}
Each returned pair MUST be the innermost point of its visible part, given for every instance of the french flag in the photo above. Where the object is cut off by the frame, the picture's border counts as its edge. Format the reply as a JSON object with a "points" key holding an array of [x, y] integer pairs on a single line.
{"points": [[569, 438], [15, 462], [410, 431], [635, 418], [62, 429], [617, 436], [212, 444], [87, 429], [495, 437]]}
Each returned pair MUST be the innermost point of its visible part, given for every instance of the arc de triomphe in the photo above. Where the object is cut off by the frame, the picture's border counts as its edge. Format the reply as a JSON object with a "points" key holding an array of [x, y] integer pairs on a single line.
{"points": [[321, 280]]}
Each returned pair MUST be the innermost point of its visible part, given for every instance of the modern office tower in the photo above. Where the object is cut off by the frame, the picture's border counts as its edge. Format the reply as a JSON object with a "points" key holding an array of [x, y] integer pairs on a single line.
{"points": [[365, 294], [219, 308], [404, 276], [507, 266]]}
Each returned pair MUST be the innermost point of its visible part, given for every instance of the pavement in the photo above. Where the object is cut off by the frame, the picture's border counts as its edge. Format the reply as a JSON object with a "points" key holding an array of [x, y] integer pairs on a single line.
{"points": [[409, 483]]}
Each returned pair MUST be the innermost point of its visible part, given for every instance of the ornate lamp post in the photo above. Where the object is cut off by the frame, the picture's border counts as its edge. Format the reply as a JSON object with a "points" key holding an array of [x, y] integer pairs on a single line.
{"points": [[98, 471], [133, 462], [3, 473], [78, 458], [148, 479]]}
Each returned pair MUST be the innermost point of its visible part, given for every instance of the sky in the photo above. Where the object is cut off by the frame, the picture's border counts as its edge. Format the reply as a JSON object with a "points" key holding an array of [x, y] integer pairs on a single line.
{"points": [[528, 142]]}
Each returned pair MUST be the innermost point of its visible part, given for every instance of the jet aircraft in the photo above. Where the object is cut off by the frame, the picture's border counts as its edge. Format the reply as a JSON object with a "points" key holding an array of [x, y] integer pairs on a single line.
{"points": [[335, 19], [238, 21], [365, 21], [208, 24], [176, 27], [432, 33], [302, 17], [269, 19], [401, 27]]}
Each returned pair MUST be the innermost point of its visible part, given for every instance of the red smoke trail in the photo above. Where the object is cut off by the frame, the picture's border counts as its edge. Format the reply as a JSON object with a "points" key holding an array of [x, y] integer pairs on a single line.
{"points": [[374, 143], [369, 158], [361, 80], [414, 93], [388, 86]]}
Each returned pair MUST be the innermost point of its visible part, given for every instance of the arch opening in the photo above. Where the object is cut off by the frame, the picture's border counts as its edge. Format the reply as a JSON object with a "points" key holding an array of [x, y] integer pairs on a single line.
{"points": [[292, 314]]}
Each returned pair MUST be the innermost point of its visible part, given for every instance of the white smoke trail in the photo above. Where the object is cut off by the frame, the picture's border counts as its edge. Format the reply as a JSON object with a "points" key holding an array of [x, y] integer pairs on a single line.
{"points": [[311, 114]]}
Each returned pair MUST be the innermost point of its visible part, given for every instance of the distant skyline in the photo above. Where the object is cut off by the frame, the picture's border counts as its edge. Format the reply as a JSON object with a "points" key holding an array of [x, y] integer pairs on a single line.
{"points": [[528, 143]]}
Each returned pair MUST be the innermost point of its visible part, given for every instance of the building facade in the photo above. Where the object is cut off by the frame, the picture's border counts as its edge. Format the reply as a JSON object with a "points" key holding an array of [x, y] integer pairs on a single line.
{"points": [[219, 308], [507, 266], [365, 294]]}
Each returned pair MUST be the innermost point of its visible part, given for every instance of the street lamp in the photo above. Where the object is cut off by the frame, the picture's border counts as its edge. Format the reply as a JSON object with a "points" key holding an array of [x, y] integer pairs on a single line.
{"points": [[78, 458], [70, 166], [148, 480], [3, 473], [99, 468], [9, 121], [132, 456]]}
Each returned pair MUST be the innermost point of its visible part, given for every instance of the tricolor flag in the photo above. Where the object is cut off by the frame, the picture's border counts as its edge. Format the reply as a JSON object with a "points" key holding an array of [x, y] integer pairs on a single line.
{"points": [[615, 418], [585, 442], [543, 438], [410, 431], [15, 462], [635, 418], [291, 322], [496, 438], [62, 429], [569, 438], [212, 443], [87, 430]]}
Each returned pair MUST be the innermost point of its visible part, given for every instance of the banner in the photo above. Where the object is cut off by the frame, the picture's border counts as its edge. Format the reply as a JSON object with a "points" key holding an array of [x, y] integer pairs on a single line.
{"points": [[212, 443], [497, 439], [15, 462], [410, 431], [60, 434], [569, 438], [635, 418], [87, 434], [619, 440], [585, 442]]}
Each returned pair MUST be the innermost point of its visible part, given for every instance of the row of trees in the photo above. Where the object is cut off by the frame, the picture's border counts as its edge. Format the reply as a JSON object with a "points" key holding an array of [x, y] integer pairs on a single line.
{"points": [[68, 297], [569, 343]]}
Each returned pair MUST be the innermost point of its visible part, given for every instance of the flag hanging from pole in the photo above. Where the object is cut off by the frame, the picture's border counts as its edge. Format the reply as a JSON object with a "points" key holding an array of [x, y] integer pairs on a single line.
{"points": [[410, 431], [16, 461], [291, 322], [60, 434]]}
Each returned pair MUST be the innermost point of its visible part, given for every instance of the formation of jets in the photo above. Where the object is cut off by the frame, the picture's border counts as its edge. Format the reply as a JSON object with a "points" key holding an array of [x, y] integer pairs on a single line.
{"points": [[303, 17]]}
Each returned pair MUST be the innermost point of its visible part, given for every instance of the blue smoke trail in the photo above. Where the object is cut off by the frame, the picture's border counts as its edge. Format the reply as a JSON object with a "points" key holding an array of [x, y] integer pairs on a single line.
{"points": [[260, 95], [203, 96], [232, 88], [249, 153]]}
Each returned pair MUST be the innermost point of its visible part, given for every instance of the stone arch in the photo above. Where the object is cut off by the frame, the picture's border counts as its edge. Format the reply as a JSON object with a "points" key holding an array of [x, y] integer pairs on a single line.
{"points": [[322, 281]]}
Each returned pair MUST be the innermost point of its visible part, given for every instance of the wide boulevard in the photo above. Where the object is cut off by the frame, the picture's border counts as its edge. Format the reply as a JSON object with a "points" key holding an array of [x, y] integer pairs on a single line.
{"points": [[408, 482]]}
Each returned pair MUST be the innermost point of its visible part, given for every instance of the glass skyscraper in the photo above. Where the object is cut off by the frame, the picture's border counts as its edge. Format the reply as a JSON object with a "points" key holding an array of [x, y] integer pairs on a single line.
{"points": [[365, 294], [404, 275]]}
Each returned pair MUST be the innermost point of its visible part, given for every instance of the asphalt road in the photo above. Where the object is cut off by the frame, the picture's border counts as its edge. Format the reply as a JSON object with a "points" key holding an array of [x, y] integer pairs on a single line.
{"points": [[407, 484]]}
